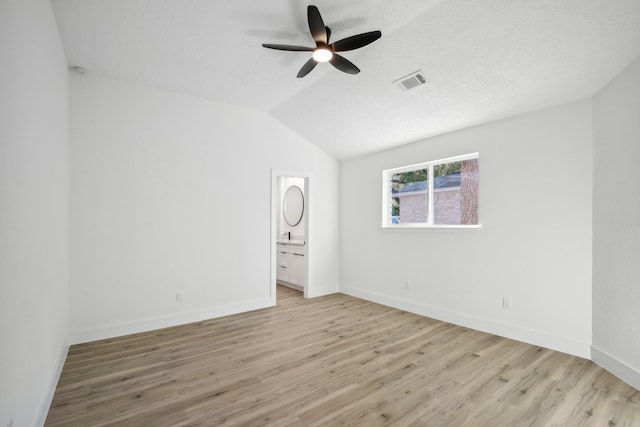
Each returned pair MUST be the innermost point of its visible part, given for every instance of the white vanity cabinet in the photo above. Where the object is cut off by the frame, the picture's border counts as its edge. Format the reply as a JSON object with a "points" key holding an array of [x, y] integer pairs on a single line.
{"points": [[297, 265], [282, 258], [292, 264]]}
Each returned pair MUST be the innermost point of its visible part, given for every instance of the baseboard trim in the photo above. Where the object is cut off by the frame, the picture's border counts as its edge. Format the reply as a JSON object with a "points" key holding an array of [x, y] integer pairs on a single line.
{"points": [[618, 368], [146, 325], [53, 383], [563, 344]]}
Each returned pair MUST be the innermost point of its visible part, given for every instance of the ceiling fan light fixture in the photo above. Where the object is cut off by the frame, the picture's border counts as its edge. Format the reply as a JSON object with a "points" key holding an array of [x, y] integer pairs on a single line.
{"points": [[322, 54], [325, 52]]}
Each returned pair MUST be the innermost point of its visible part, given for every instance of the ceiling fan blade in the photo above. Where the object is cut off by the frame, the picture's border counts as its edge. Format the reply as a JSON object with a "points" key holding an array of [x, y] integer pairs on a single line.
{"points": [[287, 47], [343, 64], [355, 42], [307, 67], [328, 33], [316, 25]]}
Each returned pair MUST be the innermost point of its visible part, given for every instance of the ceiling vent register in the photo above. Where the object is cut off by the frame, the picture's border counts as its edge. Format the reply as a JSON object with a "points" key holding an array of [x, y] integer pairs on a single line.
{"points": [[411, 81]]}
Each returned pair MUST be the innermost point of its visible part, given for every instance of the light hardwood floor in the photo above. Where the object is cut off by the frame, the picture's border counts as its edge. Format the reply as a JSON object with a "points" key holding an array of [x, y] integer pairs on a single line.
{"points": [[331, 361]]}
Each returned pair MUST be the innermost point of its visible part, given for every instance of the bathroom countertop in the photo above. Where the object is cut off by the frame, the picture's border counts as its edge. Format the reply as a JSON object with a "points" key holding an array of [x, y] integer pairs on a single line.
{"points": [[292, 242]]}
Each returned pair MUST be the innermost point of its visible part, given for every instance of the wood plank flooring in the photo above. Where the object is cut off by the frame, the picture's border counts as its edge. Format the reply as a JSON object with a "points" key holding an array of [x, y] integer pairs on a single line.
{"points": [[333, 361]]}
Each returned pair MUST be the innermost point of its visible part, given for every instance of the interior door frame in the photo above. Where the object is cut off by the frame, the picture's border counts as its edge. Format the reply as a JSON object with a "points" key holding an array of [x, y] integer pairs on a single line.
{"points": [[275, 202]]}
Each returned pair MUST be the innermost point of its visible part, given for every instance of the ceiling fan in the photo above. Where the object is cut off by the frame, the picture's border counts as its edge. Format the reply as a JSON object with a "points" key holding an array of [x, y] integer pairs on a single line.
{"points": [[325, 52]]}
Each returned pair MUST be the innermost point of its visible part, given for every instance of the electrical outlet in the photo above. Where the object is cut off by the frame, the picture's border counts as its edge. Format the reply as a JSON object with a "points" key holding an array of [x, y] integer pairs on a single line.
{"points": [[178, 296], [506, 303], [407, 284]]}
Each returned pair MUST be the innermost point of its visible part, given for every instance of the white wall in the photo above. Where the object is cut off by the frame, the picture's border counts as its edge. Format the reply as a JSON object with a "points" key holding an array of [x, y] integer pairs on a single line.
{"points": [[34, 216], [534, 245], [171, 192], [616, 226]]}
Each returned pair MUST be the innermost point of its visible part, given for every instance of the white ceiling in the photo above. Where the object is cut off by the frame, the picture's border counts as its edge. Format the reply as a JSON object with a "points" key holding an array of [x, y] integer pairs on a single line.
{"points": [[483, 59]]}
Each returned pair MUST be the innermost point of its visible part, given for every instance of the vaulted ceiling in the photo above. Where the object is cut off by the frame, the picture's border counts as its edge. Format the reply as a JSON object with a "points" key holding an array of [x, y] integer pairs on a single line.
{"points": [[483, 59]]}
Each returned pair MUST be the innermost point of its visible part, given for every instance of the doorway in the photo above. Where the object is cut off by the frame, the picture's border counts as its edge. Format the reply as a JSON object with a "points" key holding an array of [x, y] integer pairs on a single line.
{"points": [[290, 238]]}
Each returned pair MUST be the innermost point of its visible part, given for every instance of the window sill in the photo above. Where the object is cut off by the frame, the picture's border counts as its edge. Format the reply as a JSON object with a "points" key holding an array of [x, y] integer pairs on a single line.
{"points": [[430, 228]]}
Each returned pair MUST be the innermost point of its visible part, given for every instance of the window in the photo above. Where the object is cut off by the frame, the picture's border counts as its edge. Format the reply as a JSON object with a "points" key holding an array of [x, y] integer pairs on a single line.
{"points": [[441, 193]]}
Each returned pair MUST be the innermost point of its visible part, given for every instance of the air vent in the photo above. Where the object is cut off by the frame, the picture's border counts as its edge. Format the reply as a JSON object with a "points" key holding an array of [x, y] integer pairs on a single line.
{"points": [[411, 81]]}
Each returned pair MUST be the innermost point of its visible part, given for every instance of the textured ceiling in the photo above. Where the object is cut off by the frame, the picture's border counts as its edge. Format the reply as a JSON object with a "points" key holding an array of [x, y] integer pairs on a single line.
{"points": [[483, 59]]}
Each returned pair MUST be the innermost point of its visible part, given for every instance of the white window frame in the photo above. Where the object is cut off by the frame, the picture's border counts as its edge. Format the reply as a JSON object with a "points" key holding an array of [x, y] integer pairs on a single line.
{"points": [[386, 194]]}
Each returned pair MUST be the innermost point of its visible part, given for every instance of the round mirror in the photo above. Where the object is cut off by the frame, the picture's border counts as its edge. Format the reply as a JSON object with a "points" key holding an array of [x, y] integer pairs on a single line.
{"points": [[293, 205]]}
